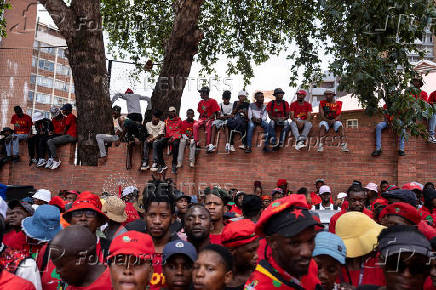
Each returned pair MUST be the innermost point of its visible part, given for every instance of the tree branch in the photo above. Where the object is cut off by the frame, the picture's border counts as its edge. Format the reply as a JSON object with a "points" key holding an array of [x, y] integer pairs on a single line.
{"points": [[62, 16]]}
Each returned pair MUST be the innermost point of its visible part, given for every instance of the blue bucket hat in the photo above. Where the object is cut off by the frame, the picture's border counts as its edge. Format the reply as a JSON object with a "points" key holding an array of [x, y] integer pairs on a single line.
{"points": [[44, 224], [330, 244], [179, 247]]}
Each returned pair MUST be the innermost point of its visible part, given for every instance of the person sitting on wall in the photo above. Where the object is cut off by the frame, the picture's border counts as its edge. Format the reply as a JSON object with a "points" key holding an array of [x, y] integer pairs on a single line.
{"points": [[22, 125], [239, 122], [69, 136], [44, 128], [155, 131], [257, 116], [301, 119], [102, 138], [226, 109], [278, 112], [187, 138]]}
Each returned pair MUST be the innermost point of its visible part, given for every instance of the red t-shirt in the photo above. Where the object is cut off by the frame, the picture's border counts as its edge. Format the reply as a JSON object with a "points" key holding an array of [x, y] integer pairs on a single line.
{"points": [[315, 198], [432, 98], [15, 240], [277, 110], [372, 274], [59, 126], [158, 279], [300, 111], [22, 125], [132, 213], [102, 283], [173, 127], [215, 239], [331, 110], [207, 108], [10, 281], [71, 123], [187, 128], [334, 218]]}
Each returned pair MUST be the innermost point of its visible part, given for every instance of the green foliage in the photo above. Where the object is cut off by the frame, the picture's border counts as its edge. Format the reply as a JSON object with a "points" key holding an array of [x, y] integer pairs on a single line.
{"points": [[367, 39], [3, 6]]}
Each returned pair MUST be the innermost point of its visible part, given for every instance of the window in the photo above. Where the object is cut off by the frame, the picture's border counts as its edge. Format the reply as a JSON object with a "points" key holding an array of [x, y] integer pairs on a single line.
{"points": [[46, 114], [30, 96], [46, 65], [47, 49], [36, 44], [62, 70], [43, 98], [61, 52], [352, 123], [32, 79], [41, 81], [33, 61], [60, 85], [58, 101]]}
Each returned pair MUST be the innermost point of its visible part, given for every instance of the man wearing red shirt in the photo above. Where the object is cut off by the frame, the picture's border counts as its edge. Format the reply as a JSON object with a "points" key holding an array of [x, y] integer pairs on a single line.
{"points": [[10, 281], [432, 121], [22, 125], [173, 126], [301, 116], [278, 112], [356, 197], [209, 110], [289, 232], [69, 136], [187, 137], [330, 114]]}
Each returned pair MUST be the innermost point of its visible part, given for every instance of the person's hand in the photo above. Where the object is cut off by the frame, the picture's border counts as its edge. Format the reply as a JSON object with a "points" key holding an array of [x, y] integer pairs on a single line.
{"points": [[149, 139]]}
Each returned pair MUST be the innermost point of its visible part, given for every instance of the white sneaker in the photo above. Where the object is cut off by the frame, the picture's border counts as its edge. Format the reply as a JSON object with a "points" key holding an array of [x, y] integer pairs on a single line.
{"points": [[144, 166], [179, 165], [299, 145], [232, 148], [242, 147], [154, 167], [191, 164], [344, 147], [320, 147], [211, 148], [49, 163], [432, 139], [55, 164], [227, 147], [41, 162]]}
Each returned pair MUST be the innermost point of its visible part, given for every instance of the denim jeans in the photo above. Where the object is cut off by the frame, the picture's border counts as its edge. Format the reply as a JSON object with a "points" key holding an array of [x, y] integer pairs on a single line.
{"points": [[378, 130], [101, 138], [432, 125], [14, 151], [192, 148], [306, 130], [250, 131], [272, 132]]}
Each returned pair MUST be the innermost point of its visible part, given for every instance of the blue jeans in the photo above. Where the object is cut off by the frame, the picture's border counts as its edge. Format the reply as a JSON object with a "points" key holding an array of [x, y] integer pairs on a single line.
{"points": [[15, 144], [378, 130], [272, 132], [250, 131], [432, 125]]}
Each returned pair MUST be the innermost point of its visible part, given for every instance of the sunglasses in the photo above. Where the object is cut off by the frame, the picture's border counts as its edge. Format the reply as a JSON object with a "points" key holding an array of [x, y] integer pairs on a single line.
{"points": [[88, 213]]}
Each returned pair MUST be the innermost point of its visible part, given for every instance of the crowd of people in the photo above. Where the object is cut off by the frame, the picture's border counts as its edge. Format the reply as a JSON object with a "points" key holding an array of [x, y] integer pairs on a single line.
{"points": [[380, 237], [155, 133]]}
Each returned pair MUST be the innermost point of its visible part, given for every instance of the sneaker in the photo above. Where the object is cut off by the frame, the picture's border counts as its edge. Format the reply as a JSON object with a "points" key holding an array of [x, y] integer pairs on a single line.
{"points": [[179, 165], [211, 148], [41, 162], [242, 147], [432, 139], [376, 153], [154, 167], [227, 147], [247, 150], [55, 164], [344, 147], [320, 147], [232, 148], [192, 164], [401, 153], [162, 169], [300, 144], [144, 166], [49, 163]]}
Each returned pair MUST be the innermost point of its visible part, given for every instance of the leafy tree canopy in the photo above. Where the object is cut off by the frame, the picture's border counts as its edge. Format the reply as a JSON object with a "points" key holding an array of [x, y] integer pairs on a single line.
{"points": [[3, 6]]}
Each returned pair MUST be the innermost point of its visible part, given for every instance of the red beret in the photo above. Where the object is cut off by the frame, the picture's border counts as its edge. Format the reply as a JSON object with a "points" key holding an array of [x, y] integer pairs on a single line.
{"points": [[403, 210], [295, 220], [238, 233], [281, 182]]}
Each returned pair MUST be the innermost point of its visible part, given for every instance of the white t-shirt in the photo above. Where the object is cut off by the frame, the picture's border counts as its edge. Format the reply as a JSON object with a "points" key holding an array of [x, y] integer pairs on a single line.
{"points": [[331, 207], [153, 130], [226, 109]]}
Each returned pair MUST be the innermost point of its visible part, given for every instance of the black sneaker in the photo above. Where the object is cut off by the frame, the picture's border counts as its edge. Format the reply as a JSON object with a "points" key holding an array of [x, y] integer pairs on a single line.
{"points": [[401, 153], [162, 168], [247, 150], [376, 153]]}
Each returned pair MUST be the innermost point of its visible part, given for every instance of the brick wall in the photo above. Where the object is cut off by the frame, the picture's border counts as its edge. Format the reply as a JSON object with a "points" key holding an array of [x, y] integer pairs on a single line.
{"points": [[240, 170]]}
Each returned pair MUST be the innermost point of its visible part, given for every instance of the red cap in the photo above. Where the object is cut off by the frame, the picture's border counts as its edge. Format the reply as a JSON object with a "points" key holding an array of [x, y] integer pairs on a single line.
{"points": [[58, 201], [281, 182], [132, 243], [129, 91], [412, 186], [86, 200], [278, 206], [238, 233], [403, 210], [302, 92]]}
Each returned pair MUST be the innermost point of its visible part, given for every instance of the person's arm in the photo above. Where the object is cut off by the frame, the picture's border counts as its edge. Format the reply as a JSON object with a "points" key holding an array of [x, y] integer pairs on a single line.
{"points": [[250, 114], [339, 108], [269, 110], [67, 125], [116, 97], [321, 113], [309, 116], [287, 110]]}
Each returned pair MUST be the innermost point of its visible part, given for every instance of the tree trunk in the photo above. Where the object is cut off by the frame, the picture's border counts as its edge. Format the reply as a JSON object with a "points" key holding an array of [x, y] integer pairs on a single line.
{"points": [[179, 54], [80, 25]]}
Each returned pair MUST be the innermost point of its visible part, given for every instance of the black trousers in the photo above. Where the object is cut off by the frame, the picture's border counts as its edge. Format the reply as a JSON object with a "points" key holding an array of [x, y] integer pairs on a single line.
{"points": [[162, 143]]}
